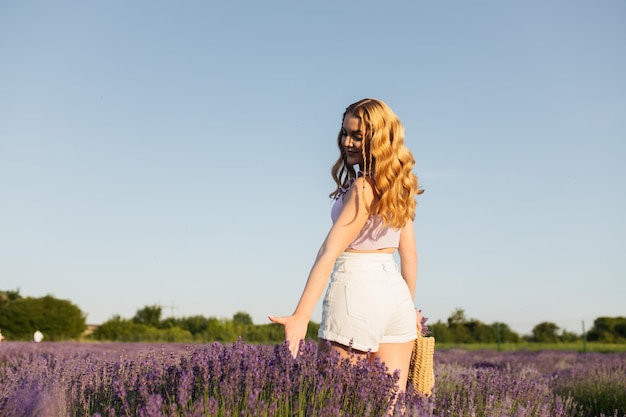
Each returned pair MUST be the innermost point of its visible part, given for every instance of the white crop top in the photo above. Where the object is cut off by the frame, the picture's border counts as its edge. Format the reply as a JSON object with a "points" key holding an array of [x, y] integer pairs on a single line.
{"points": [[374, 234]]}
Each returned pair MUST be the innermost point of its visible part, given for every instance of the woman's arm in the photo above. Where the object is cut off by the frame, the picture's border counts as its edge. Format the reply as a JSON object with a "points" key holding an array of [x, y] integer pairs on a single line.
{"points": [[347, 227], [407, 249]]}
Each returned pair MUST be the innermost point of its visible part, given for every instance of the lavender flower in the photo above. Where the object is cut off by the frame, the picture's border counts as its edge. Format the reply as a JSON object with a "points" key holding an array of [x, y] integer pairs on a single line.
{"points": [[425, 330], [108, 380]]}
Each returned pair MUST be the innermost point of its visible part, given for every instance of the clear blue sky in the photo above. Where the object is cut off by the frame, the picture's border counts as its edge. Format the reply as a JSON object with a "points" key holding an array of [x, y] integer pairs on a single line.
{"points": [[178, 153]]}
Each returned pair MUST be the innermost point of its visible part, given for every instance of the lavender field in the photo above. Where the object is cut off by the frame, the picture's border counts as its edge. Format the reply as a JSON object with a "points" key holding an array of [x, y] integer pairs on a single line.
{"points": [[116, 379]]}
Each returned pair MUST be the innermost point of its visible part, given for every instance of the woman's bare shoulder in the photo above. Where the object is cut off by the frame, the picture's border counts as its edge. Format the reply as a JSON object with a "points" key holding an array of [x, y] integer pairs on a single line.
{"points": [[362, 187]]}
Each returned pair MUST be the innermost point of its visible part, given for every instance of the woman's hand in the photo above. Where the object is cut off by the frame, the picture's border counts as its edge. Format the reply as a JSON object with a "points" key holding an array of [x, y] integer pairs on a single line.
{"points": [[418, 319], [295, 331]]}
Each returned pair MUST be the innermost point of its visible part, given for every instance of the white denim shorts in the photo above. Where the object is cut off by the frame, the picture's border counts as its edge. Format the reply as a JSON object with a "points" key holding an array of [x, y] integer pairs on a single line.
{"points": [[367, 303]]}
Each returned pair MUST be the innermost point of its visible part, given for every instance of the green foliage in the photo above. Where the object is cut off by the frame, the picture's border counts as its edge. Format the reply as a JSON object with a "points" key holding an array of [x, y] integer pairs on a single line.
{"points": [[149, 315], [144, 327], [9, 296], [122, 330], [56, 319], [567, 337], [442, 332], [242, 318], [545, 332], [460, 329], [119, 330], [61, 320], [458, 324], [608, 330], [505, 333]]}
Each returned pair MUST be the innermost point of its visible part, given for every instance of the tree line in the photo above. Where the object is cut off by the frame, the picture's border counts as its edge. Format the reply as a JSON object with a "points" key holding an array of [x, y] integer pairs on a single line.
{"points": [[461, 329], [21, 317], [147, 325], [59, 320]]}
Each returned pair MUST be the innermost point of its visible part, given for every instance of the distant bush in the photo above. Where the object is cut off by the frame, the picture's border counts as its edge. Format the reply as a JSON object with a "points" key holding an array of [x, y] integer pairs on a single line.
{"points": [[147, 326], [56, 319], [608, 330], [118, 329], [460, 329]]}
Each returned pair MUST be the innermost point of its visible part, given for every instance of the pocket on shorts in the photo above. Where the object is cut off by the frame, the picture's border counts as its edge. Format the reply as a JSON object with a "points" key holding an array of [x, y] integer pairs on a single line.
{"points": [[360, 300]]}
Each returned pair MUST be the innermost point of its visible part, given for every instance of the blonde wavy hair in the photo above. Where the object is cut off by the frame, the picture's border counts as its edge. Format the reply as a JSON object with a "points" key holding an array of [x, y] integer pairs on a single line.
{"points": [[388, 162]]}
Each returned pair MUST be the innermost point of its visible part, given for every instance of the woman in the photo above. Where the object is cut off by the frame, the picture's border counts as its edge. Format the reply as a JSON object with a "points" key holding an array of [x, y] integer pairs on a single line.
{"points": [[368, 307]]}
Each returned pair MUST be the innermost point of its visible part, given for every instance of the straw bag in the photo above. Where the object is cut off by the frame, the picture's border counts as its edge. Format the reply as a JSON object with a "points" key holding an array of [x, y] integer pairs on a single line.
{"points": [[421, 367]]}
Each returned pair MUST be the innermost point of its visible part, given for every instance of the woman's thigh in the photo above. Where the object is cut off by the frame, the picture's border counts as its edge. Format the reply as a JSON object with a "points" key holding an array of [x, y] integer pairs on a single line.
{"points": [[396, 356]]}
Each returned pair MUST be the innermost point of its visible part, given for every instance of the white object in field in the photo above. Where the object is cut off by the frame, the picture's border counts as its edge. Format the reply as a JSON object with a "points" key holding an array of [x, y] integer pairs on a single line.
{"points": [[38, 336]]}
